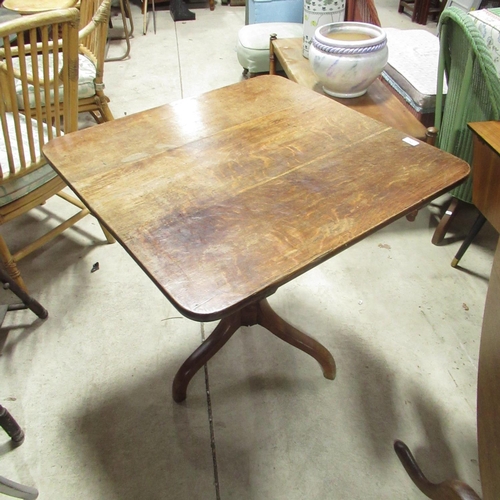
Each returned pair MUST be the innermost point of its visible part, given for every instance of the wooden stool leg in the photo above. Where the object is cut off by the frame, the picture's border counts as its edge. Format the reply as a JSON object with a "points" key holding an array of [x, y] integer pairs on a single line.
{"points": [[476, 227], [272, 59], [144, 16], [10, 426]]}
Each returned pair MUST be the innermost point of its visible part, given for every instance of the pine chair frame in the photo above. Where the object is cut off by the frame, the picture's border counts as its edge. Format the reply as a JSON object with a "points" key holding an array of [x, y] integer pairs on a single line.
{"points": [[93, 35]]}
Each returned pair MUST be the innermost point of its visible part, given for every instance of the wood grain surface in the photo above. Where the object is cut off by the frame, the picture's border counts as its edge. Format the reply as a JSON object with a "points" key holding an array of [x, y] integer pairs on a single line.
{"points": [[224, 197], [486, 196], [486, 185], [488, 389], [378, 103]]}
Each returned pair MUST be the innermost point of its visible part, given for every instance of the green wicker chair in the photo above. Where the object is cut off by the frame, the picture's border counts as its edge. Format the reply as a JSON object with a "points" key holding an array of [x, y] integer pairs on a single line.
{"points": [[473, 96]]}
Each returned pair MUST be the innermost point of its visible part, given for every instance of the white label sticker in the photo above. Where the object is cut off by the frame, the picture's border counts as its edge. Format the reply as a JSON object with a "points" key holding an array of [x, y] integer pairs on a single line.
{"points": [[410, 141]]}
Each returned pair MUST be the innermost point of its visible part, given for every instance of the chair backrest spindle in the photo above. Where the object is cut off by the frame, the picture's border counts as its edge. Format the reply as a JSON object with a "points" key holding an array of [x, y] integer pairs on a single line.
{"points": [[38, 67]]}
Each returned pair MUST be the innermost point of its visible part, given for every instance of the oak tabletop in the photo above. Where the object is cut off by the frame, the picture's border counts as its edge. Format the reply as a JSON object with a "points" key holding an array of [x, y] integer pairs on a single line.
{"points": [[489, 132], [224, 197], [378, 103]]}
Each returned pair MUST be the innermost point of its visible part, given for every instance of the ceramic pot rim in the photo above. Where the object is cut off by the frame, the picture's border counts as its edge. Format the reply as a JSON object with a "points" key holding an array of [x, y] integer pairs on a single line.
{"points": [[379, 37]]}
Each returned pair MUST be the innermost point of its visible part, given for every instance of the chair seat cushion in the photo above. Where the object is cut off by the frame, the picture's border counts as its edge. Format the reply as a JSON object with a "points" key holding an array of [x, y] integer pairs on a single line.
{"points": [[86, 77], [11, 190], [412, 66], [253, 43], [488, 24]]}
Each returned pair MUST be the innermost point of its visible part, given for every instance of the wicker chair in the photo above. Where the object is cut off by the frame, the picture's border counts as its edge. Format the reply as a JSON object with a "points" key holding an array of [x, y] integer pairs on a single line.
{"points": [[473, 96], [42, 65], [93, 32]]}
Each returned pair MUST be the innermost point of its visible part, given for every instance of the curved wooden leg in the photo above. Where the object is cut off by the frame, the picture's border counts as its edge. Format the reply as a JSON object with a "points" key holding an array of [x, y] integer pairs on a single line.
{"points": [[222, 333], [451, 489], [444, 223], [283, 330], [412, 216], [259, 313]]}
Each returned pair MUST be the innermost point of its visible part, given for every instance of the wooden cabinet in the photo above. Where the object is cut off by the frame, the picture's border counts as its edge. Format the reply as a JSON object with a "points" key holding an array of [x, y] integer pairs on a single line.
{"points": [[486, 186], [486, 196]]}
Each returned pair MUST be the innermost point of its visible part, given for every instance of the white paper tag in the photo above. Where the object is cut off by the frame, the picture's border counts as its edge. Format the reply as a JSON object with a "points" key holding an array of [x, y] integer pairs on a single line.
{"points": [[410, 141]]}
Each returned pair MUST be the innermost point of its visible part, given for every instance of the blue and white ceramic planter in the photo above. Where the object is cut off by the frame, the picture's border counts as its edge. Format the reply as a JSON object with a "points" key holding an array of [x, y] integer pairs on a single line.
{"points": [[345, 67]]}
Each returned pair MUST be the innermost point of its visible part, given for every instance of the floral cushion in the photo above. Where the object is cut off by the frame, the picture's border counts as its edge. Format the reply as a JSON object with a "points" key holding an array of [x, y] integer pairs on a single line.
{"points": [[488, 24], [86, 77], [20, 186], [412, 67]]}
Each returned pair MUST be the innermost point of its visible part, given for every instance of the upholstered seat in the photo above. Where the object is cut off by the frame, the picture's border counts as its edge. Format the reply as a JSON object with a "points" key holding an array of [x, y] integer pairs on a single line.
{"points": [[412, 68], [253, 43], [86, 78], [18, 187], [253, 40]]}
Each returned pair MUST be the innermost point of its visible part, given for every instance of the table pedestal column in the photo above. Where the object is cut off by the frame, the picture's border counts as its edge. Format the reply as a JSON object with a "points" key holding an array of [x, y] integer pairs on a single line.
{"points": [[258, 313]]}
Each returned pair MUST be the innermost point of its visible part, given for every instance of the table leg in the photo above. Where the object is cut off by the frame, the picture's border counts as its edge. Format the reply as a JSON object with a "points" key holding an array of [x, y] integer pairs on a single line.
{"points": [[272, 57], [450, 489], [259, 313]]}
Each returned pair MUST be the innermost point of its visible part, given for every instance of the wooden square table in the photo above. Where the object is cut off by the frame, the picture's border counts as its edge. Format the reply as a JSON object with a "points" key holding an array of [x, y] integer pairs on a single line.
{"points": [[223, 198]]}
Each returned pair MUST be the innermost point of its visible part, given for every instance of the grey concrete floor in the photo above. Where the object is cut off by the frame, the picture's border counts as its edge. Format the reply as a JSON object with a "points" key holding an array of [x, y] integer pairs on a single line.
{"points": [[91, 384]]}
